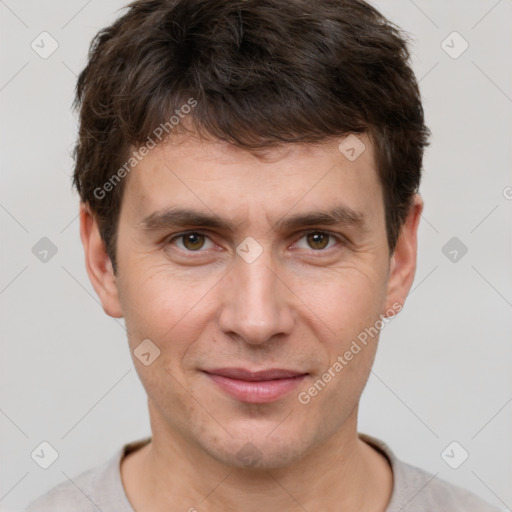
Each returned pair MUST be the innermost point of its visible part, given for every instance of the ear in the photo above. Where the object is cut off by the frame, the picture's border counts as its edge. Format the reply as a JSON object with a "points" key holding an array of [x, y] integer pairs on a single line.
{"points": [[98, 264], [403, 261]]}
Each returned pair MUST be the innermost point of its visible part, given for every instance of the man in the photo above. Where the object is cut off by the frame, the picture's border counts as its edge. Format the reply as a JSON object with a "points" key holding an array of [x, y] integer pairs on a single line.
{"points": [[249, 173]]}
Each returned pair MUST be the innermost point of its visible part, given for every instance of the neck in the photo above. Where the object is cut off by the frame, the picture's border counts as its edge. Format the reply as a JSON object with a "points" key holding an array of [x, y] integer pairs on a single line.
{"points": [[172, 473]]}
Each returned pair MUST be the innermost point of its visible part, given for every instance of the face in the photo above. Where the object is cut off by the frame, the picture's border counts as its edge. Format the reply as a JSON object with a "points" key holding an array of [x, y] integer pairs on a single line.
{"points": [[253, 277]]}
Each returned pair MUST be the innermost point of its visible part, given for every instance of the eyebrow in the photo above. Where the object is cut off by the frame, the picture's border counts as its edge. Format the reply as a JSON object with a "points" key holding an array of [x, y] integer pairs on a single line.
{"points": [[339, 215], [175, 217]]}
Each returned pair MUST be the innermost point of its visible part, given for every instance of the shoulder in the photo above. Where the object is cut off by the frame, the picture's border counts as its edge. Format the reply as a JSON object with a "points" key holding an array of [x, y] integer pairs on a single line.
{"points": [[98, 488], [76, 494], [420, 491], [416, 490]]}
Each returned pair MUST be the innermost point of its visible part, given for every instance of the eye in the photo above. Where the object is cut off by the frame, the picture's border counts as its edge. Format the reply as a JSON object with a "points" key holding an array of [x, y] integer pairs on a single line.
{"points": [[318, 240], [191, 241]]}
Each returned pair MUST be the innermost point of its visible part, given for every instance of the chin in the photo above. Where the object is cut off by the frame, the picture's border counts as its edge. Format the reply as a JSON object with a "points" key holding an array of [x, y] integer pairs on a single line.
{"points": [[258, 451]]}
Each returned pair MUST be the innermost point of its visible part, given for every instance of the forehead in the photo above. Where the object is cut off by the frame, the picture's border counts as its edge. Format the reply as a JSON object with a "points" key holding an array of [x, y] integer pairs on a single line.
{"points": [[219, 178]]}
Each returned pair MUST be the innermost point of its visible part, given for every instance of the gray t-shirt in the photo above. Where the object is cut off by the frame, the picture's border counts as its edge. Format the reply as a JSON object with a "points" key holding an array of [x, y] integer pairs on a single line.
{"points": [[101, 489]]}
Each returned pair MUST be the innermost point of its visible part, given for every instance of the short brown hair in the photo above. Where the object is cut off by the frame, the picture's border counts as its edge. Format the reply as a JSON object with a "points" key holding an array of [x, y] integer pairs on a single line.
{"points": [[261, 73]]}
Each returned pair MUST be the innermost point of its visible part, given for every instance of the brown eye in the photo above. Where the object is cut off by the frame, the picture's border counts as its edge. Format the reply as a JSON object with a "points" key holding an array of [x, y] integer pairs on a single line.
{"points": [[193, 241], [318, 240]]}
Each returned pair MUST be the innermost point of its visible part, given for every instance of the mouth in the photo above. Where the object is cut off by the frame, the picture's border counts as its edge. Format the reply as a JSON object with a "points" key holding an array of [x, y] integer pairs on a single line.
{"points": [[257, 387]]}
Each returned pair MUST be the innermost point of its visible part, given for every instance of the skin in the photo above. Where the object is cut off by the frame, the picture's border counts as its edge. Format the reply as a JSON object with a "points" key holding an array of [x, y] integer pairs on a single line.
{"points": [[297, 306]]}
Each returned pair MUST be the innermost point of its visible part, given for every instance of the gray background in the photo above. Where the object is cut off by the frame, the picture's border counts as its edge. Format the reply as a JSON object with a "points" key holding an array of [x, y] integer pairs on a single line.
{"points": [[443, 368]]}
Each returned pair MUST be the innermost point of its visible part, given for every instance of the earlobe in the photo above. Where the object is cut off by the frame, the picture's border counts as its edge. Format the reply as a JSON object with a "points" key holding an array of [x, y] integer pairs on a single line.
{"points": [[403, 261], [98, 264]]}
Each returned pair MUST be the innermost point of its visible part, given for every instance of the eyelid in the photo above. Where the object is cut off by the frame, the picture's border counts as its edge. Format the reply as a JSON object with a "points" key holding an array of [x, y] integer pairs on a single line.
{"points": [[176, 236], [338, 237]]}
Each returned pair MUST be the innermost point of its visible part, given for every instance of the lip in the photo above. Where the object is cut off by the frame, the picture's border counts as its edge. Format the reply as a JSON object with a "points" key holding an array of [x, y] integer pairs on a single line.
{"points": [[256, 386]]}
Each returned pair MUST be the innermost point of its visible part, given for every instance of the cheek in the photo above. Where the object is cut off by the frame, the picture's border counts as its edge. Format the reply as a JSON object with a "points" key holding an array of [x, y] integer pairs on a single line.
{"points": [[164, 308], [346, 310], [345, 307], [171, 314], [344, 302]]}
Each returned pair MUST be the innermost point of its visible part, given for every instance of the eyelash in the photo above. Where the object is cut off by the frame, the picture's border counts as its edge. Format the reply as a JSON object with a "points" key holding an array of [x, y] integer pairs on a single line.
{"points": [[339, 239]]}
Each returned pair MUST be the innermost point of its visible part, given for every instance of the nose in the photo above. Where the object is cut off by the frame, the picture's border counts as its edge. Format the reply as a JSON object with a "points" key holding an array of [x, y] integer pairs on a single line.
{"points": [[256, 305]]}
